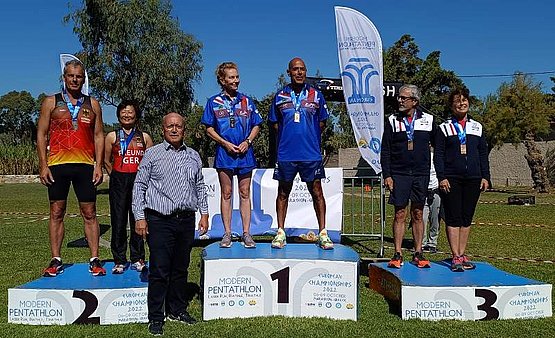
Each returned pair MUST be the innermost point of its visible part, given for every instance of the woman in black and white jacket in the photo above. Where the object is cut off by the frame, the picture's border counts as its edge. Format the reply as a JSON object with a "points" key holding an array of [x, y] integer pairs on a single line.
{"points": [[462, 168]]}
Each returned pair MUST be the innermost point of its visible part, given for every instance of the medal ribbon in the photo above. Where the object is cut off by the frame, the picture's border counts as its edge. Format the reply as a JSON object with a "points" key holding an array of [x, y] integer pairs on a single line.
{"points": [[124, 142], [461, 132], [410, 126], [229, 105], [74, 110], [298, 100]]}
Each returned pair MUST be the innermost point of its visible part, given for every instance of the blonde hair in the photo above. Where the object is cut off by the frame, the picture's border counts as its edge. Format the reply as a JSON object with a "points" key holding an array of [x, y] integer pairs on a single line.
{"points": [[220, 71]]}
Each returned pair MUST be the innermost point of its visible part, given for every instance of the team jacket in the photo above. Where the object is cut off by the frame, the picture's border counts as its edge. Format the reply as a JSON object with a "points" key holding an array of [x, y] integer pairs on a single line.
{"points": [[396, 158], [300, 140], [448, 160], [218, 114]]}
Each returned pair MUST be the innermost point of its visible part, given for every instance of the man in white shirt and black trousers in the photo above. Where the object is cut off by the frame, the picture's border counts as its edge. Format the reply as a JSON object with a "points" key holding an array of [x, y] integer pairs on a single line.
{"points": [[168, 189]]}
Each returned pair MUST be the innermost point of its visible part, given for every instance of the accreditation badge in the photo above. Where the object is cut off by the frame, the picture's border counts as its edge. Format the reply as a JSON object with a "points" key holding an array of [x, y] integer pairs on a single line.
{"points": [[410, 145], [297, 117], [463, 149]]}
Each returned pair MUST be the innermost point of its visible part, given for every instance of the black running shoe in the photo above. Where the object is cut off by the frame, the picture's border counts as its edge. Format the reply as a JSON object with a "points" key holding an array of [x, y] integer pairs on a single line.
{"points": [[156, 328], [183, 317]]}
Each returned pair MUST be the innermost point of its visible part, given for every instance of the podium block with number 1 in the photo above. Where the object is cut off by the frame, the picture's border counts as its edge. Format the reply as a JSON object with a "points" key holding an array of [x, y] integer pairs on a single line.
{"points": [[300, 280]]}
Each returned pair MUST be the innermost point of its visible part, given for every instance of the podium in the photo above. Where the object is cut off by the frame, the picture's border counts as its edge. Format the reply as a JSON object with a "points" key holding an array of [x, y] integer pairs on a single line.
{"points": [[77, 297], [481, 294], [300, 280]]}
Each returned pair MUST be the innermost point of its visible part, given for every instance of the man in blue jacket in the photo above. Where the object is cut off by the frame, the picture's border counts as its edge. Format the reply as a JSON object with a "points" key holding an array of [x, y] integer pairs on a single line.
{"points": [[405, 160]]}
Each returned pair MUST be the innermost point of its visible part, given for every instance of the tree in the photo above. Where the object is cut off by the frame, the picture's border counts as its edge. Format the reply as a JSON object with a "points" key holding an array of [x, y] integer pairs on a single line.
{"points": [[401, 63], [135, 50], [521, 112], [343, 135], [17, 113], [265, 143]]}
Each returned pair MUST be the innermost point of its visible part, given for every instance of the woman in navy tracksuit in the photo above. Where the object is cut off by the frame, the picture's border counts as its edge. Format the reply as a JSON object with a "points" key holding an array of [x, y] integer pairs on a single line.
{"points": [[462, 167]]}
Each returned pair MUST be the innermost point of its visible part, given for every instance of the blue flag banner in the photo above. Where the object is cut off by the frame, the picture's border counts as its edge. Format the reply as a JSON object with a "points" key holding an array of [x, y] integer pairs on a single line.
{"points": [[361, 66]]}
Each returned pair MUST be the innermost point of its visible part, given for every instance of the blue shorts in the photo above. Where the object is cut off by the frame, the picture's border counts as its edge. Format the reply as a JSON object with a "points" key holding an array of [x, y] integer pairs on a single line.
{"points": [[405, 188], [308, 170], [237, 171]]}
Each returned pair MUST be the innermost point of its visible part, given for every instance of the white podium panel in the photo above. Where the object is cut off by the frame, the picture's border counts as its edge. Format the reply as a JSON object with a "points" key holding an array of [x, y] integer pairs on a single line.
{"points": [[76, 297], [299, 280], [481, 294]]}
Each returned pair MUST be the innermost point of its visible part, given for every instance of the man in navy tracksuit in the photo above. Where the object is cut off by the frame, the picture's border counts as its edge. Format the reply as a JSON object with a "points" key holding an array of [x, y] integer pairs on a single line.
{"points": [[405, 160]]}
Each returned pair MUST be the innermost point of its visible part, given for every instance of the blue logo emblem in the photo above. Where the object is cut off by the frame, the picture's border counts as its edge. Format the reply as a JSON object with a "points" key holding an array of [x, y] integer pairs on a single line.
{"points": [[375, 145], [360, 83]]}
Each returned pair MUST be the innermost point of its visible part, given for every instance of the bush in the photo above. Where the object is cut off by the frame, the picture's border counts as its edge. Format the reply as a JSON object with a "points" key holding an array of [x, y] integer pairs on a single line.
{"points": [[18, 159]]}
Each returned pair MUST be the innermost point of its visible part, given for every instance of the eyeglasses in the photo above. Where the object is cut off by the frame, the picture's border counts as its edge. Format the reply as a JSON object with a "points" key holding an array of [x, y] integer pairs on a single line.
{"points": [[404, 98]]}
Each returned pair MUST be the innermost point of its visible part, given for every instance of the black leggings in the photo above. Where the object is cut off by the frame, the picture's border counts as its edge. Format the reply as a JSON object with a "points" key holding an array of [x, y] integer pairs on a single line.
{"points": [[460, 202], [121, 188]]}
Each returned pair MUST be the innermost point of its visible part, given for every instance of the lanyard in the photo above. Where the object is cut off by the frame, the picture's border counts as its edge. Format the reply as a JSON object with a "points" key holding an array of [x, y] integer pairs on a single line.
{"points": [[461, 132], [297, 100], [74, 110], [229, 104], [124, 142], [410, 126]]}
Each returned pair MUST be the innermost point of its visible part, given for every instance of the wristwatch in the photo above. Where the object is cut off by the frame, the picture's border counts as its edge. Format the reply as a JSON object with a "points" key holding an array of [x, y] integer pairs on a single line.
{"points": [[249, 141]]}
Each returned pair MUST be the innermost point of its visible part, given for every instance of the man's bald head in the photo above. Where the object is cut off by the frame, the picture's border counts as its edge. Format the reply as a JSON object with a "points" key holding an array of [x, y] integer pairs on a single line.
{"points": [[171, 115], [295, 60], [297, 72]]}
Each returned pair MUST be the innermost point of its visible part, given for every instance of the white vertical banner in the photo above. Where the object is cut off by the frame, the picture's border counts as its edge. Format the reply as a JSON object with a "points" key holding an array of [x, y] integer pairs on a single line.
{"points": [[360, 60]]}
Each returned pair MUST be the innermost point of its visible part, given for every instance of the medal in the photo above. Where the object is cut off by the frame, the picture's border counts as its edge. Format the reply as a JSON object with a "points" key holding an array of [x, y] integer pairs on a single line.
{"points": [[409, 127], [74, 110], [463, 149], [297, 102], [230, 107], [461, 133]]}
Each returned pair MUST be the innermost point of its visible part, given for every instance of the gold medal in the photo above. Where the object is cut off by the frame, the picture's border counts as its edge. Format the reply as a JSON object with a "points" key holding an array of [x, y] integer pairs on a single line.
{"points": [[297, 117], [410, 145], [463, 149]]}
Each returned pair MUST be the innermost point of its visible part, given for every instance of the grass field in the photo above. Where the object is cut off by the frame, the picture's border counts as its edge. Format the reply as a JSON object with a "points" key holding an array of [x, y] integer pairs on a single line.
{"points": [[502, 233]]}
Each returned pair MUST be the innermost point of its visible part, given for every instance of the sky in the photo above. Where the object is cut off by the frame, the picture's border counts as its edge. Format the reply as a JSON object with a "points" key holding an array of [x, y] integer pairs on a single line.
{"points": [[475, 37]]}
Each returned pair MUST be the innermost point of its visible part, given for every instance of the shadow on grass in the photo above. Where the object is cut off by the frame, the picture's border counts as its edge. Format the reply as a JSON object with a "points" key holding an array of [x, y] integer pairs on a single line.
{"points": [[102, 191], [82, 242]]}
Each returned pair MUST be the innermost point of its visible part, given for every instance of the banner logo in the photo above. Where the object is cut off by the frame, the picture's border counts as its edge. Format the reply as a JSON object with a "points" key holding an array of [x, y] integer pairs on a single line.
{"points": [[360, 85]]}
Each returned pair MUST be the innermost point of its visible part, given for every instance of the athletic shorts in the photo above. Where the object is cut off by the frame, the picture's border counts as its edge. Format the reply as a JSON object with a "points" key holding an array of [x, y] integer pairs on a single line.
{"points": [[78, 174], [237, 171], [405, 188], [307, 170], [460, 202]]}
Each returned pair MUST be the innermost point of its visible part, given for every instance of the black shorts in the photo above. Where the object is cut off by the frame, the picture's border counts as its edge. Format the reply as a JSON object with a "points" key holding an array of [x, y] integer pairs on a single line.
{"points": [[78, 174], [460, 202], [405, 188]]}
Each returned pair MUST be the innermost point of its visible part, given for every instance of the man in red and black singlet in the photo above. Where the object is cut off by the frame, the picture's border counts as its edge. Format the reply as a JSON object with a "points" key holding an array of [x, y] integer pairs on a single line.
{"points": [[70, 146], [123, 150]]}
